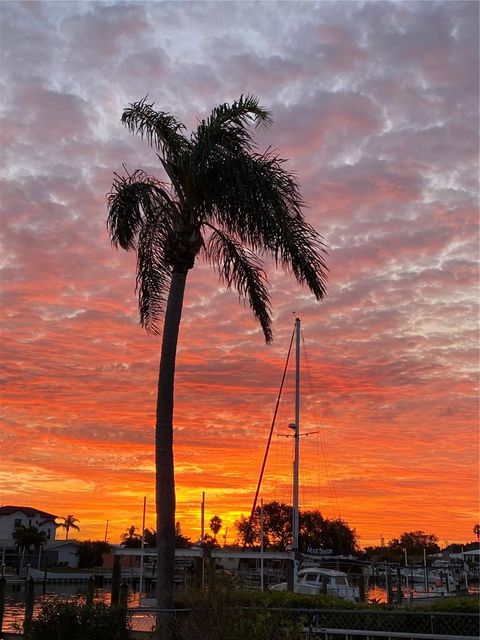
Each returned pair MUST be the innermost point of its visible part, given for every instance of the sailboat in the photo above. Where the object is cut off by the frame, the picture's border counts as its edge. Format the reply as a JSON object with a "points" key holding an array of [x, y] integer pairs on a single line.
{"points": [[310, 580]]}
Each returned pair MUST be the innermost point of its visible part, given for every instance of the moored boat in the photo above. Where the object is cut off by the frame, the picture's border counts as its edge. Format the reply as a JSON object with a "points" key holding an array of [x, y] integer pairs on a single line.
{"points": [[320, 581]]}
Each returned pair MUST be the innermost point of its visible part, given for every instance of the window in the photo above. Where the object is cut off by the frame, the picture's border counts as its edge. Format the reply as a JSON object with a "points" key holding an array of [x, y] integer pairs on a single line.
{"points": [[17, 522], [340, 581], [310, 577]]}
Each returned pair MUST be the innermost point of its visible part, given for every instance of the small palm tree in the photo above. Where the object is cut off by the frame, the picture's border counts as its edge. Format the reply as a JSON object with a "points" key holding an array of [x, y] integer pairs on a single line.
{"points": [[131, 538], [69, 522], [29, 538], [181, 541], [476, 531], [224, 203], [215, 526]]}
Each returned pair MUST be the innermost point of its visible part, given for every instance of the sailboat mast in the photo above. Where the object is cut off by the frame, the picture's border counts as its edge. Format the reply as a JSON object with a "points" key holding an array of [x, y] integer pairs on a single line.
{"points": [[296, 462]]}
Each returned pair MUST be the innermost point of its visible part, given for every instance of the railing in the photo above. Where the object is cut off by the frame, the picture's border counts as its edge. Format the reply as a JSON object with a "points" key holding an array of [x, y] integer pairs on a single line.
{"points": [[350, 634], [407, 621]]}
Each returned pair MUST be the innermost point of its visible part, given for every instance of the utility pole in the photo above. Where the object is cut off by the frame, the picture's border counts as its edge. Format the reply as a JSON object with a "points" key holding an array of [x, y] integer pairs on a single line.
{"points": [[140, 586], [202, 527], [202, 518]]}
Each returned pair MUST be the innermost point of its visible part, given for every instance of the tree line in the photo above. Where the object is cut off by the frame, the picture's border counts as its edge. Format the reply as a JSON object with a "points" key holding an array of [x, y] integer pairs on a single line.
{"points": [[316, 533]]}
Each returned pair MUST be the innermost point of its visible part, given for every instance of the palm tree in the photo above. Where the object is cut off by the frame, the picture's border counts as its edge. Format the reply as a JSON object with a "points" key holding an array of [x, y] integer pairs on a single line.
{"points": [[181, 541], [29, 538], [215, 526], [69, 522], [131, 538], [224, 203]]}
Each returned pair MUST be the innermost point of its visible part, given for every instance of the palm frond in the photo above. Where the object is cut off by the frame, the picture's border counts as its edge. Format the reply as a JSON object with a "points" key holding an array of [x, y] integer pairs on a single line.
{"points": [[226, 131], [239, 113], [241, 269], [301, 249], [133, 198], [161, 129], [153, 269], [255, 199], [175, 176]]}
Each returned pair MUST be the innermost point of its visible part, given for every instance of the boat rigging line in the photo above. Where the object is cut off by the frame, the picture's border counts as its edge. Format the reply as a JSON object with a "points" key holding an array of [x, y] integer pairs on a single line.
{"points": [[249, 528], [321, 439]]}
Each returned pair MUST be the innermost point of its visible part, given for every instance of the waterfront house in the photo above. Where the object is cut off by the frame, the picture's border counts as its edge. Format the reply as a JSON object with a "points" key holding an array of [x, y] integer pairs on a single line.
{"points": [[13, 517], [62, 553]]}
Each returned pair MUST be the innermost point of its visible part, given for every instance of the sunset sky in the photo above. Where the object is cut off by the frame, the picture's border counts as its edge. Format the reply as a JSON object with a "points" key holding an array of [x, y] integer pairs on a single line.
{"points": [[375, 106]]}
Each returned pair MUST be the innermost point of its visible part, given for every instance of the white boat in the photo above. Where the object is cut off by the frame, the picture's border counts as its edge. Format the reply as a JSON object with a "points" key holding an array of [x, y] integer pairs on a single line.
{"points": [[317, 581], [417, 577], [417, 597]]}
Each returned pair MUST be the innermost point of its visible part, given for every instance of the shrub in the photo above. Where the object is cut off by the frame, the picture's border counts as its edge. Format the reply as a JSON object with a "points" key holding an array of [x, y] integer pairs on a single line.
{"points": [[454, 605], [266, 599], [76, 621], [216, 616], [237, 615]]}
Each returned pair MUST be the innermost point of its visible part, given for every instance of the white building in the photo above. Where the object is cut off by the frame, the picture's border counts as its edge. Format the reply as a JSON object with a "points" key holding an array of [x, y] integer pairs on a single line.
{"points": [[62, 553], [12, 517]]}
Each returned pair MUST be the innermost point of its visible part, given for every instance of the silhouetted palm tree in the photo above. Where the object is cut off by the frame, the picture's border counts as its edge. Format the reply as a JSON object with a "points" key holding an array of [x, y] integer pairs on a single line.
{"points": [[224, 203], [215, 526], [29, 538], [69, 522], [181, 541], [131, 539]]}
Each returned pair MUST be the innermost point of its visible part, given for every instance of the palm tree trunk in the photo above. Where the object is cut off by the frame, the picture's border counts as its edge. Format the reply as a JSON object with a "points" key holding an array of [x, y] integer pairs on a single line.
{"points": [[165, 480]]}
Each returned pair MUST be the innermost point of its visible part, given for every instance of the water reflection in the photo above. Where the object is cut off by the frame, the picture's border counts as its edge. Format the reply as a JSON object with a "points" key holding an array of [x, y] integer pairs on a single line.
{"points": [[15, 603]]}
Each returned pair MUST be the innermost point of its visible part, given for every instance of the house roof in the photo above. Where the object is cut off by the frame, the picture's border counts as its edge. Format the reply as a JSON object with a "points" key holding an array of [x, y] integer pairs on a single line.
{"points": [[54, 544], [28, 511]]}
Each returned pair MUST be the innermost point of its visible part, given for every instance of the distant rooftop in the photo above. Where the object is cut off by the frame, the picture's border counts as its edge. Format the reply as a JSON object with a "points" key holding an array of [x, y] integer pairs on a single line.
{"points": [[53, 544], [28, 511]]}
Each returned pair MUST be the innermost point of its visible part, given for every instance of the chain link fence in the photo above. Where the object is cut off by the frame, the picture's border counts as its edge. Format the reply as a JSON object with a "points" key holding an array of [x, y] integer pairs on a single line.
{"points": [[215, 623], [438, 623]]}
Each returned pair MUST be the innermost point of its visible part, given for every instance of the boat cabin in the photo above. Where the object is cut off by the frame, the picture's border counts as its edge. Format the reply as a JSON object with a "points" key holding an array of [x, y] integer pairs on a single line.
{"points": [[320, 581]]}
